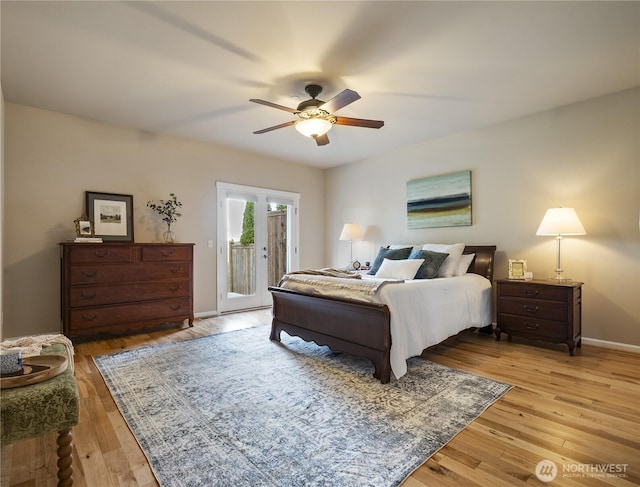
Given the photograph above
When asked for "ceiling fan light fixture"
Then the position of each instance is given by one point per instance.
(313, 127)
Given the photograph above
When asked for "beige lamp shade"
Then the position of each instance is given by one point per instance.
(351, 231)
(560, 221)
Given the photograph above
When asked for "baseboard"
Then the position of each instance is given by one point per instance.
(625, 347)
(206, 314)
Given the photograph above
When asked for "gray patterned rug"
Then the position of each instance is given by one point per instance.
(236, 409)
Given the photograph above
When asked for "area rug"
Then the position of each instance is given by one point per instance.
(236, 409)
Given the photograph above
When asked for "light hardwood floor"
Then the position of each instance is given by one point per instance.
(580, 412)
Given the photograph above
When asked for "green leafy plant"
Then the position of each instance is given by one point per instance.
(248, 234)
(167, 209)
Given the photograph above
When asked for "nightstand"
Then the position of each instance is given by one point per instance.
(549, 311)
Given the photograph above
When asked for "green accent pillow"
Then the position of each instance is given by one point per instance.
(391, 254)
(432, 262)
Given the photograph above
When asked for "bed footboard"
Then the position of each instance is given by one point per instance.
(359, 329)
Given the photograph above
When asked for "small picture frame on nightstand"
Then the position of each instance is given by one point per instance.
(517, 268)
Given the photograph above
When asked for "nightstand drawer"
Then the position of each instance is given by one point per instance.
(539, 309)
(533, 291)
(533, 328)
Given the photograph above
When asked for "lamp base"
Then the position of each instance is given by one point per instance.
(560, 280)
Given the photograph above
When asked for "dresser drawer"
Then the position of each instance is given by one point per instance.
(533, 291)
(165, 309)
(82, 296)
(116, 274)
(100, 254)
(554, 331)
(166, 253)
(544, 310)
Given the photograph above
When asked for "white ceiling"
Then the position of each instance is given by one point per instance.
(427, 69)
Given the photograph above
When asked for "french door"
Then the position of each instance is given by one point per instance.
(257, 243)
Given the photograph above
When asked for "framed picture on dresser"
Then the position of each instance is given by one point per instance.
(112, 215)
(517, 268)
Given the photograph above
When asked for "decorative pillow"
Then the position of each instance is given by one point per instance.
(400, 246)
(399, 269)
(450, 265)
(432, 262)
(463, 266)
(391, 254)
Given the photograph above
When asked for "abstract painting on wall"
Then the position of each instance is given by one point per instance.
(439, 201)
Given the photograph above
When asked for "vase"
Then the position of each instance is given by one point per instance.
(169, 236)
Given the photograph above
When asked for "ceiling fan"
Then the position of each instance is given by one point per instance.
(315, 117)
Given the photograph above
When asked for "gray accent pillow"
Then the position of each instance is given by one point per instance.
(432, 262)
(391, 254)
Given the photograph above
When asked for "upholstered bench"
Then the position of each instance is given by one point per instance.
(45, 407)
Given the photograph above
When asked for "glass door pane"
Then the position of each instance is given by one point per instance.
(241, 264)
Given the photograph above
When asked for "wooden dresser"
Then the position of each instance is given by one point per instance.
(540, 310)
(113, 289)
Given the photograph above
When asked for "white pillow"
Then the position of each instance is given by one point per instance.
(399, 269)
(450, 264)
(463, 266)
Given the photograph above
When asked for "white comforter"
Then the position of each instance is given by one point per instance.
(424, 312)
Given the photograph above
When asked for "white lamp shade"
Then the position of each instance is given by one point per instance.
(351, 231)
(313, 127)
(561, 221)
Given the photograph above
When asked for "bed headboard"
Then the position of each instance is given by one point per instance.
(483, 262)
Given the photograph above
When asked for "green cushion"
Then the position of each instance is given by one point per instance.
(432, 262)
(391, 254)
(38, 409)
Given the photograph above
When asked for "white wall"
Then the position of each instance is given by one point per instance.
(52, 159)
(1, 206)
(585, 156)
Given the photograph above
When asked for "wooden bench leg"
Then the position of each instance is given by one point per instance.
(65, 458)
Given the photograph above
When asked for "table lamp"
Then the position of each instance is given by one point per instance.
(558, 222)
(351, 232)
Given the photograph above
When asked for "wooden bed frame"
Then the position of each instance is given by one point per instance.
(357, 328)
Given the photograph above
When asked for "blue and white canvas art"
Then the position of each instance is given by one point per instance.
(439, 201)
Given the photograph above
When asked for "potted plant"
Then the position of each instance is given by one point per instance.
(168, 210)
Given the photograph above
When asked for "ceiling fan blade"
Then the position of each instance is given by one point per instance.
(322, 139)
(341, 100)
(274, 105)
(275, 127)
(359, 122)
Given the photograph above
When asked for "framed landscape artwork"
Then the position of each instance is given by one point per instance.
(439, 201)
(112, 215)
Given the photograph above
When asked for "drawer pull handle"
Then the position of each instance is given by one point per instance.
(89, 296)
(176, 288)
(175, 308)
(175, 271)
(531, 309)
(531, 294)
(167, 254)
(89, 274)
(101, 255)
(89, 318)
(533, 326)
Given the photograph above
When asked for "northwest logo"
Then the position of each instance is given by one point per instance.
(546, 471)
